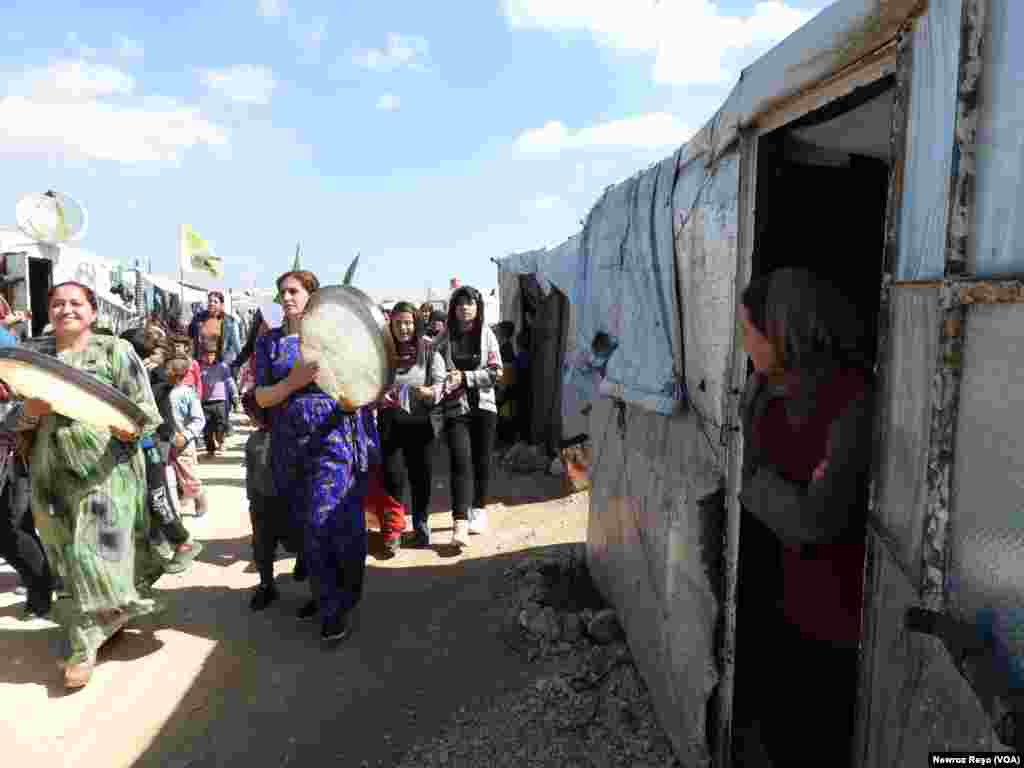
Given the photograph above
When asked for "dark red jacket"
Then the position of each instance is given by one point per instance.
(819, 521)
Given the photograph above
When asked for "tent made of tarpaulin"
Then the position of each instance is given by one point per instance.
(540, 284)
(664, 479)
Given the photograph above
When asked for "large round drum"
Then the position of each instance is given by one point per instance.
(72, 393)
(346, 333)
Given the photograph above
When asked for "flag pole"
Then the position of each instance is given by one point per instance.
(181, 266)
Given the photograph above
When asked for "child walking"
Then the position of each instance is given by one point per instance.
(219, 394)
(181, 346)
(187, 422)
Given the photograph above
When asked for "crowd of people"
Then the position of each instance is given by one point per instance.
(97, 515)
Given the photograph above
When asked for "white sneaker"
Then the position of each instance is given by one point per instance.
(460, 536)
(478, 521)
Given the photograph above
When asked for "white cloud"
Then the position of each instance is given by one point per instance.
(244, 82)
(103, 131)
(691, 41)
(651, 131)
(71, 81)
(272, 9)
(79, 110)
(400, 51)
(130, 49)
(389, 103)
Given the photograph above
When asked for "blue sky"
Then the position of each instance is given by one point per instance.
(430, 137)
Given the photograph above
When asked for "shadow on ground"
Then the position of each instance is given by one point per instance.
(427, 642)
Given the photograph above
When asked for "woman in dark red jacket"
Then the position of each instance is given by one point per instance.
(807, 419)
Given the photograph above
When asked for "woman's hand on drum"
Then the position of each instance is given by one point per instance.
(426, 394)
(302, 374)
(179, 441)
(36, 408)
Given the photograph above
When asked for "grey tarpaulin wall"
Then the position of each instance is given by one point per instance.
(655, 531)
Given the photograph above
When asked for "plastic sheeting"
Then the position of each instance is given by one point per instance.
(840, 34)
(707, 218)
(552, 267)
(654, 547)
(626, 288)
(928, 165)
(987, 582)
(997, 242)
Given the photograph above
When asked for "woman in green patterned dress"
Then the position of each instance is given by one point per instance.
(88, 489)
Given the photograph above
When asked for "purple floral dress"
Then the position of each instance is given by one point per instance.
(320, 458)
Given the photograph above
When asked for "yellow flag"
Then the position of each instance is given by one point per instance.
(196, 254)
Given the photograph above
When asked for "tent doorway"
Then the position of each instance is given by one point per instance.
(40, 280)
(821, 195)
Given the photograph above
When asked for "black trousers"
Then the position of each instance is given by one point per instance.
(166, 520)
(19, 543)
(407, 452)
(471, 451)
(216, 413)
(773, 657)
(270, 526)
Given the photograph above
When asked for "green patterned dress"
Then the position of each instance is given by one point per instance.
(88, 502)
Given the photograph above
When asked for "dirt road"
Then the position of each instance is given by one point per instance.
(213, 684)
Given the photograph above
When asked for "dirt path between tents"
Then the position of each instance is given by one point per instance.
(215, 685)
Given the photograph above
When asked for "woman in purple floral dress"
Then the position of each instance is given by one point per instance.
(320, 458)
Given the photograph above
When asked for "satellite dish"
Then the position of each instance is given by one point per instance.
(51, 217)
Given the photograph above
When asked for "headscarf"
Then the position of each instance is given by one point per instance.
(815, 330)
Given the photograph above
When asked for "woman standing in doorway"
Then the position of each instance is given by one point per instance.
(473, 361)
(807, 420)
(320, 458)
(88, 487)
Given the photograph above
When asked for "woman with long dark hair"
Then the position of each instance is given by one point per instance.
(473, 360)
(408, 428)
(807, 421)
(320, 458)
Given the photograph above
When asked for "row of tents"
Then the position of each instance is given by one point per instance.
(880, 146)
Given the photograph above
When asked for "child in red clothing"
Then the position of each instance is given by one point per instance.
(182, 347)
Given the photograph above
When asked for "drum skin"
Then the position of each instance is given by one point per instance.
(346, 333)
(71, 392)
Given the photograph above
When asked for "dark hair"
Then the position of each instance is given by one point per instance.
(454, 326)
(417, 321)
(305, 278)
(178, 365)
(90, 294)
(755, 299)
(218, 294)
(438, 315)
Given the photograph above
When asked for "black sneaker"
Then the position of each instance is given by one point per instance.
(392, 547)
(334, 630)
(308, 610)
(421, 535)
(263, 596)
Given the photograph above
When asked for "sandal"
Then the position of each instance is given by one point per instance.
(78, 675)
(183, 558)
